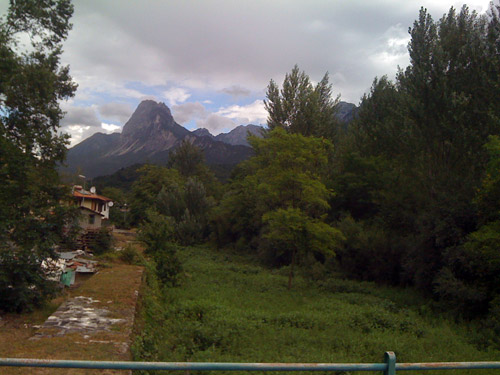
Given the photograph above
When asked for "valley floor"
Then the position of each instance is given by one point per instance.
(229, 309)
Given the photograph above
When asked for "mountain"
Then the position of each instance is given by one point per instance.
(202, 132)
(238, 136)
(148, 136)
(346, 112)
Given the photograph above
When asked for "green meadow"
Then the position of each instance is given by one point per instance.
(230, 309)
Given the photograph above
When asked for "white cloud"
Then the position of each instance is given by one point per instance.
(86, 116)
(78, 133)
(110, 128)
(316, 26)
(251, 113)
(176, 95)
(392, 48)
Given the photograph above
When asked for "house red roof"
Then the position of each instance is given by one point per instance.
(79, 194)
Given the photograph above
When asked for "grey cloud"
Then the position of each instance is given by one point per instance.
(216, 124)
(86, 116)
(186, 112)
(120, 112)
(236, 91)
(222, 43)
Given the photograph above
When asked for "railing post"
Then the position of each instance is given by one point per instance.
(390, 359)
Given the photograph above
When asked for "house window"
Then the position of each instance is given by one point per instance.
(91, 219)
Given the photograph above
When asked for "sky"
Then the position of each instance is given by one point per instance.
(210, 61)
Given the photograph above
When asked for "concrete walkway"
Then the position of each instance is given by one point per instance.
(78, 314)
(95, 323)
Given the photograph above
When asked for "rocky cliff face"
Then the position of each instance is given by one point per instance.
(148, 136)
(151, 129)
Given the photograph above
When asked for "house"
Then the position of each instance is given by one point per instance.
(94, 207)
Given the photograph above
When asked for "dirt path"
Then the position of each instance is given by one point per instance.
(94, 323)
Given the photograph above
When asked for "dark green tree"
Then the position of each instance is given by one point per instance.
(425, 133)
(301, 107)
(277, 206)
(189, 207)
(145, 190)
(33, 219)
(189, 160)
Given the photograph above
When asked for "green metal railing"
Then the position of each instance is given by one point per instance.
(389, 367)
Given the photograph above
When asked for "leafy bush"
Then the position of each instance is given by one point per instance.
(130, 255)
(101, 242)
(23, 282)
(168, 266)
(156, 231)
(368, 253)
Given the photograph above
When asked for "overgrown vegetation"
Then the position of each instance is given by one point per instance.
(229, 308)
(101, 242)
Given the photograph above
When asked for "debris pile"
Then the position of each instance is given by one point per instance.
(68, 267)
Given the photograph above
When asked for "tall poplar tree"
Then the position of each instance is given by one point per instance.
(301, 107)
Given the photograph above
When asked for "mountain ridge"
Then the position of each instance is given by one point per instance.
(151, 133)
(147, 137)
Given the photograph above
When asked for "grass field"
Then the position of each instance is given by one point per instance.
(229, 309)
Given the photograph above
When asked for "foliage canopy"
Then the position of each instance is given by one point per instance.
(32, 83)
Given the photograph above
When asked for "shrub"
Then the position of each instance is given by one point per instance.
(101, 242)
(156, 231)
(23, 282)
(168, 266)
(130, 255)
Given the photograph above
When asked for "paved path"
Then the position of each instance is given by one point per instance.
(78, 314)
(94, 324)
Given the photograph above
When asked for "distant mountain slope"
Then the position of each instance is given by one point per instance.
(238, 136)
(202, 132)
(151, 133)
(148, 136)
(346, 112)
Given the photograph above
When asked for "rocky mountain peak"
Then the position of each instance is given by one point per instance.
(147, 115)
(202, 132)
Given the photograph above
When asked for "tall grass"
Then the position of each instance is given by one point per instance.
(229, 309)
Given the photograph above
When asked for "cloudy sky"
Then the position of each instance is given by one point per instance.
(210, 61)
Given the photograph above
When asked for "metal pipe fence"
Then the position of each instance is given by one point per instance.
(388, 367)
